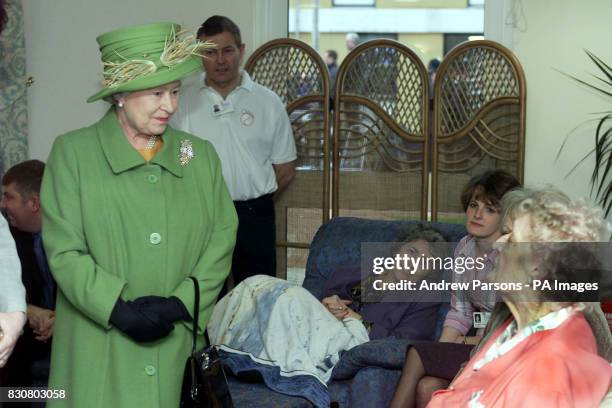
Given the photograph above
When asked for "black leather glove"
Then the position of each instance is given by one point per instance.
(168, 309)
(140, 325)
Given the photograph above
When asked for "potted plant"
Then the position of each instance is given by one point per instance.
(601, 179)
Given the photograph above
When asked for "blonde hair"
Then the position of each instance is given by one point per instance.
(554, 216)
(558, 237)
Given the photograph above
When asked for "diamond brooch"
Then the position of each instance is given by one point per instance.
(186, 152)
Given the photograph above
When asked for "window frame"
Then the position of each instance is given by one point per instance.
(356, 3)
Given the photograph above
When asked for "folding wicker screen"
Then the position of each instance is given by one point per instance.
(299, 76)
(479, 121)
(380, 133)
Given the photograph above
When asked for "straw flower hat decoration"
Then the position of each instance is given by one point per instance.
(147, 56)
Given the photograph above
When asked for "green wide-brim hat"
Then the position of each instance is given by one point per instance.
(146, 56)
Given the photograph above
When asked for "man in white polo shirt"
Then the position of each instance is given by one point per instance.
(249, 127)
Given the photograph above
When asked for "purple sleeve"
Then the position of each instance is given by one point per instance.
(342, 281)
(415, 321)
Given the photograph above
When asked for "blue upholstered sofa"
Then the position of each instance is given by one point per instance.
(366, 375)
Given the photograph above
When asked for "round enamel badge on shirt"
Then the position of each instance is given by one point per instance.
(247, 118)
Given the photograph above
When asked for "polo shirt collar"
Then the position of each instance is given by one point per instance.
(246, 83)
(122, 156)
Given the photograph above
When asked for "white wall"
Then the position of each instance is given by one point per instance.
(63, 57)
(551, 36)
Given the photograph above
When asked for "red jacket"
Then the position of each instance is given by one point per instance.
(551, 368)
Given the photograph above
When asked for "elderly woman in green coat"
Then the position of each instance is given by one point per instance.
(131, 209)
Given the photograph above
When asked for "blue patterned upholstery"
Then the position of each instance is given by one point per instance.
(366, 375)
(257, 395)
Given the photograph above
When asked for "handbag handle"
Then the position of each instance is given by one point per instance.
(196, 315)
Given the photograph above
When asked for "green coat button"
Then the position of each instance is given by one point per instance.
(155, 238)
(150, 370)
(152, 178)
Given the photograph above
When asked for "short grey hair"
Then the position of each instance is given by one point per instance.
(114, 98)
(354, 37)
(509, 202)
(425, 232)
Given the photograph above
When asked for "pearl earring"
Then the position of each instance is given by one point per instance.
(120, 104)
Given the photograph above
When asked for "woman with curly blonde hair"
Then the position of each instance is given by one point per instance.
(546, 354)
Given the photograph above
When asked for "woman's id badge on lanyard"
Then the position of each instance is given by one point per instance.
(481, 319)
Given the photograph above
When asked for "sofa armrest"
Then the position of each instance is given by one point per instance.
(387, 353)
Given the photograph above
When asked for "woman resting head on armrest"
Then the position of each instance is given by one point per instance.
(274, 320)
(400, 315)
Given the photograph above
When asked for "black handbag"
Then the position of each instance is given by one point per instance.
(204, 381)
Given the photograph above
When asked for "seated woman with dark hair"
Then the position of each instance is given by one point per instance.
(431, 365)
(275, 321)
(546, 354)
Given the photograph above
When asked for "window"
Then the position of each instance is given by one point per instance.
(354, 2)
(327, 25)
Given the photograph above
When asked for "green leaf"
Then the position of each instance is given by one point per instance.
(601, 178)
(605, 68)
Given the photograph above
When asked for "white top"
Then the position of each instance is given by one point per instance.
(12, 292)
(250, 130)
